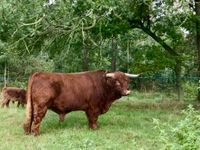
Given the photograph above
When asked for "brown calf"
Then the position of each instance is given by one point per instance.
(13, 94)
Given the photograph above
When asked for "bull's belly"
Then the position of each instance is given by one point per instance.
(65, 106)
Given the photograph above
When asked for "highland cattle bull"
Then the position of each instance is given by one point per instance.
(92, 92)
(13, 94)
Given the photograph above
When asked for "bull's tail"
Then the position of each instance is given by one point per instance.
(29, 107)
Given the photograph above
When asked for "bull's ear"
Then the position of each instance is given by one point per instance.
(110, 75)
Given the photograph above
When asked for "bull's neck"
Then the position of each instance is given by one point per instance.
(112, 94)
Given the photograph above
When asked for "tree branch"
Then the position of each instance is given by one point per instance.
(140, 25)
(92, 26)
(160, 41)
(32, 23)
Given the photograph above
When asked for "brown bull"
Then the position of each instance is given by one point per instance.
(92, 92)
(13, 94)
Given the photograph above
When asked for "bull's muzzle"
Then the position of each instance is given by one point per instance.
(126, 92)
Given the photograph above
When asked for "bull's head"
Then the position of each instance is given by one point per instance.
(120, 81)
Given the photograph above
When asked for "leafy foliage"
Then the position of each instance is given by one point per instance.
(186, 133)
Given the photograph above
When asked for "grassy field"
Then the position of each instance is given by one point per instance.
(127, 125)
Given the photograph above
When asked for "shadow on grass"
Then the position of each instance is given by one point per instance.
(77, 121)
(73, 120)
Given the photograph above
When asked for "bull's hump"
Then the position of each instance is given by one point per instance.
(87, 72)
(75, 73)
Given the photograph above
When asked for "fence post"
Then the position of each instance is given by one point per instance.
(5, 75)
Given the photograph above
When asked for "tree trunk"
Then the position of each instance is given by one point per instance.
(178, 79)
(197, 10)
(85, 58)
(128, 55)
(5, 76)
(114, 54)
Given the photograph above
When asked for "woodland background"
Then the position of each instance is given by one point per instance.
(159, 38)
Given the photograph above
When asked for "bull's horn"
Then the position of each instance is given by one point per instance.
(132, 75)
(111, 75)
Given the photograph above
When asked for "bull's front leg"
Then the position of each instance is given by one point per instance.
(92, 116)
(62, 117)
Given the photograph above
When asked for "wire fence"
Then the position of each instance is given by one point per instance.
(141, 79)
(166, 85)
(157, 78)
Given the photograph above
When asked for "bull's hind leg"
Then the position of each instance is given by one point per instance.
(39, 113)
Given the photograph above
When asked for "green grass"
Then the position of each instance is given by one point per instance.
(125, 126)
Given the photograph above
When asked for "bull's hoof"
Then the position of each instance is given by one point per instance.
(27, 130)
(27, 133)
(61, 120)
(93, 126)
(36, 133)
